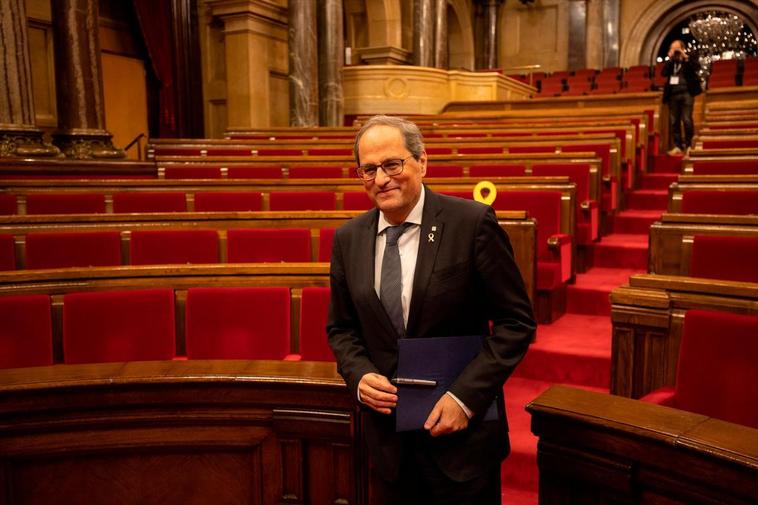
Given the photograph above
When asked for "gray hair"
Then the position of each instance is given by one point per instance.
(414, 141)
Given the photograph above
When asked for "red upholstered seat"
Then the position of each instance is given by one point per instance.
(238, 323)
(314, 309)
(497, 170)
(105, 326)
(228, 201)
(713, 167)
(330, 151)
(439, 150)
(587, 211)
(65, 203)
(73, 249)
(138, 201)
(720, 202)
(325, 240)
(480, 150)
(254, 172)
(356, 200)
(603, 151)
(268, 245)
(314, 172)
(531, 149)
(716, 373)
(280, 152)
(7, 252)
(192, 172)
(444, 171)
(178, 151)
(302, 200)
(165, 247)
(728, 258)
(731, 144)
(7, 204)
(26, 335)
(230, 151)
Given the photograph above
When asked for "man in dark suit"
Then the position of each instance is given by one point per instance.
(682, 86)
(425, 265)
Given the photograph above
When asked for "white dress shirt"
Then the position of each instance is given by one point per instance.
(408, 248)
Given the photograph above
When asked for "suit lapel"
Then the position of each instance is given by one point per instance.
(366, 260)
(429, 242)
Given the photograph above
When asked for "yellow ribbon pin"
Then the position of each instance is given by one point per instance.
(479, 192)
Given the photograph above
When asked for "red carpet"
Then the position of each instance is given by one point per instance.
(576, 348)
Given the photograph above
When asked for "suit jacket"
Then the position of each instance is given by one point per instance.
(689, 70)
(465, 278)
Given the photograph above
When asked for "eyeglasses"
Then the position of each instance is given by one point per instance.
(390, 167)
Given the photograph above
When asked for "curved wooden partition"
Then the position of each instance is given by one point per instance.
(603, 449)
(189, 432)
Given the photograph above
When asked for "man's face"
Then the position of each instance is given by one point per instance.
(396, 195)
(676, 46)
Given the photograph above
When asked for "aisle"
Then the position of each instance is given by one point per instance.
(576, 349)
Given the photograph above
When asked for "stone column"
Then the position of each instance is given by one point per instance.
(303, 63)
(79, 82)
(440, 34)
(577, 34)
(331, 58)
(594, 35)
(19, 135)
(423, 33)
(490, 37)
(610, 29)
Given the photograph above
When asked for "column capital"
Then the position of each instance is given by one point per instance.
(262, 9)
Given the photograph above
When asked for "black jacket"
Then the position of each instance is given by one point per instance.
(465, 278)
(689, 70)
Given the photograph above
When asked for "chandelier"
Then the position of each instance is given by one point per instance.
(719, 36)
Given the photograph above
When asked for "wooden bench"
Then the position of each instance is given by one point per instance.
(598, 448)
(671, 238)
(200, 431)
(647, 316)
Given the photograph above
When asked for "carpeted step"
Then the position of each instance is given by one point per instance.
(657, 180)
(666, 163)
(590, 294)
(633, 221)
(621, 251)
(575, 349)
(519, 497)
(647, 199)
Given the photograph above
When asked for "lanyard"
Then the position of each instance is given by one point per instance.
(677, 66)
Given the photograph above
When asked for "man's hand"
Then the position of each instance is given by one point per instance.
(377, 392)
(446, 417)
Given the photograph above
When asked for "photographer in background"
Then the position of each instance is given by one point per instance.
(682, 86)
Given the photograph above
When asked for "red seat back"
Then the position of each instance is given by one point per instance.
(727, 258)
(192, 172)
(716, 373)
(720, 202)
(105, 326)
(544, 206)
(309, 172)
(731, 144)
(26, 335)
(73, 249)
(497, 170)
(165, 247)
(254, 172)
(228, 201)
(65, 203)
(238, 323)
(302, 200)
(356, 200)
(444, 171)
(268, 245)
(7, 204)
(708, 167)
(531, 149)
(7, 252)
(314, 309)
(578, 173)
(325, 240)
(138, 201)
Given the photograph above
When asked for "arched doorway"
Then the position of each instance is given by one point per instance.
(460, 36)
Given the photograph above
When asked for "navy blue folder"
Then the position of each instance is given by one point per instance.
(426, 369)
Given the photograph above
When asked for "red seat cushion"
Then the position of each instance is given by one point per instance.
(7, 204)
(302, 200)
(26, 334)
(192, 172)
(548, 275)
(254, 172)
(138, 201)
(73, 249)
(105, 326)
(65, 203)
(720, 202)
(497, 170)
(228, 201)
(238, 323)
(356, 200)
(314, 309)
(308, 172)
(728, 258)
(268, 245)
(7, 252)
(325, 240)
(164, 247)
(716, 373)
